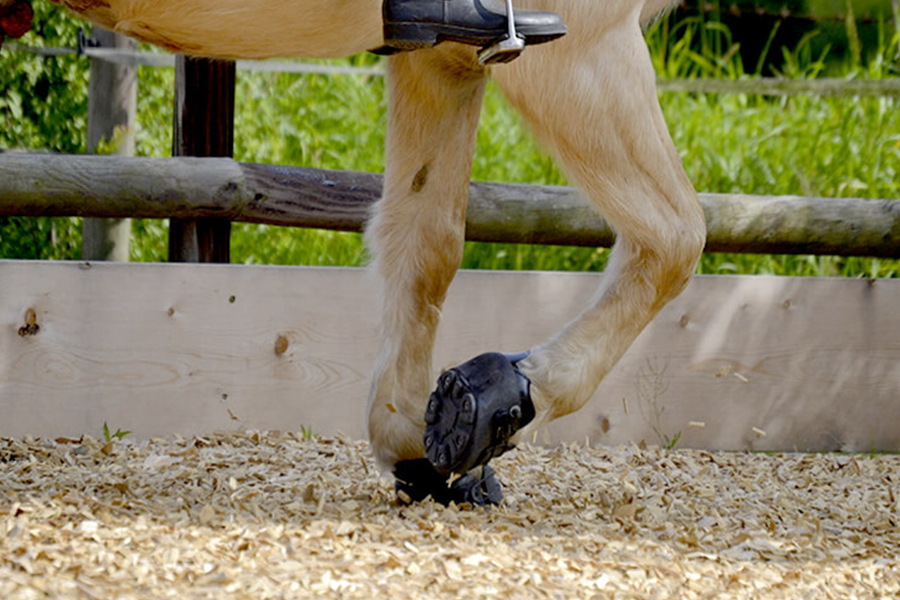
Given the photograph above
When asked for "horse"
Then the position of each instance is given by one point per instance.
(590, 99)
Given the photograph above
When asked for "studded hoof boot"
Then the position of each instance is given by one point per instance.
(475, 410)
(416, 480)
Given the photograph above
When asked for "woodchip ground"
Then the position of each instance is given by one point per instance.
(276, 515)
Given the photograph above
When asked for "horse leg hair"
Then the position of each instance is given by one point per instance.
(591, 98)
(417, 232)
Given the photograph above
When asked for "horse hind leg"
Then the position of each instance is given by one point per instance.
(417, 232)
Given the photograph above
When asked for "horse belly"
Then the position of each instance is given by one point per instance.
(243, 29)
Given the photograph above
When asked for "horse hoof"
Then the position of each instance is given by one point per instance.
(475, 410)
(416, 480)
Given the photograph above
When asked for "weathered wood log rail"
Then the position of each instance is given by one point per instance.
(192, 188)
(756, 86)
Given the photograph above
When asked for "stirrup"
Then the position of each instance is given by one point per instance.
(505, 49)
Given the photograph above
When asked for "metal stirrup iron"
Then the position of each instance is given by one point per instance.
(505, 49)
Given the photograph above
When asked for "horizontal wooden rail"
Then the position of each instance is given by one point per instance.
(158, 59)
(191, 188)
(759, 86)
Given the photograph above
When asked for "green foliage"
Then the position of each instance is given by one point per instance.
(867, 8)
(669, 443)
(806, 145)
(821, 8)
(43, 101)
(324, 121)
(40, 239)
(118, 435)
(43, 105)
(793, 6)
(729, 143)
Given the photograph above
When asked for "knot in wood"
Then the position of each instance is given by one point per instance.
(31, 326)
(281, 345)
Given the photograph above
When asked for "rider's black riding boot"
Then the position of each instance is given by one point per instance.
(412, 24)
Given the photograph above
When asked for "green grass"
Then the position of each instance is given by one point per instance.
(729, 143)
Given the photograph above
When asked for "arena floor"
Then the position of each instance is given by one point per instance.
(278, 515)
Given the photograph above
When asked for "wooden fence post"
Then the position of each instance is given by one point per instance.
(112, 108)
(204, 126)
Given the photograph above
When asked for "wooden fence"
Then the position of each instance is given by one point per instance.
(759, 363)
(224, 190)
(763, 363)
(760, 86)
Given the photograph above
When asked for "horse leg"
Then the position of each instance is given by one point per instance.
(591, 98)
(617, 147)
(602, 118)
(417, 232)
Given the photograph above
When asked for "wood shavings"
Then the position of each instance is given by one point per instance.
(275, 515)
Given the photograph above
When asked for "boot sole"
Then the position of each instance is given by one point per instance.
(474, 412)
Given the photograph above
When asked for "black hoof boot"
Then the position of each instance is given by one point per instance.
(417, 480)
(475, 410)
(413, 24)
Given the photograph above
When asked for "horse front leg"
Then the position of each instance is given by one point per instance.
(591, 98)
(607, 128)
(416, 238)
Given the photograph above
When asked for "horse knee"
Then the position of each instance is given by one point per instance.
(688, 241)
(683, 255)
(670, 251)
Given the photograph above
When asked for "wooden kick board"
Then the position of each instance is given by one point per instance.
(762, 363)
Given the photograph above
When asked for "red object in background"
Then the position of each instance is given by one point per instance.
(15, 19)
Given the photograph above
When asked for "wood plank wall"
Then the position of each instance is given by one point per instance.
(761, 363)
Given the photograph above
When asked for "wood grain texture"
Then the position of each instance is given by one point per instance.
(190, 188)
(163, 349)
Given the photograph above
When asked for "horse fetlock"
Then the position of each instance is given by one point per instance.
(393, 435)
(564, 375)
